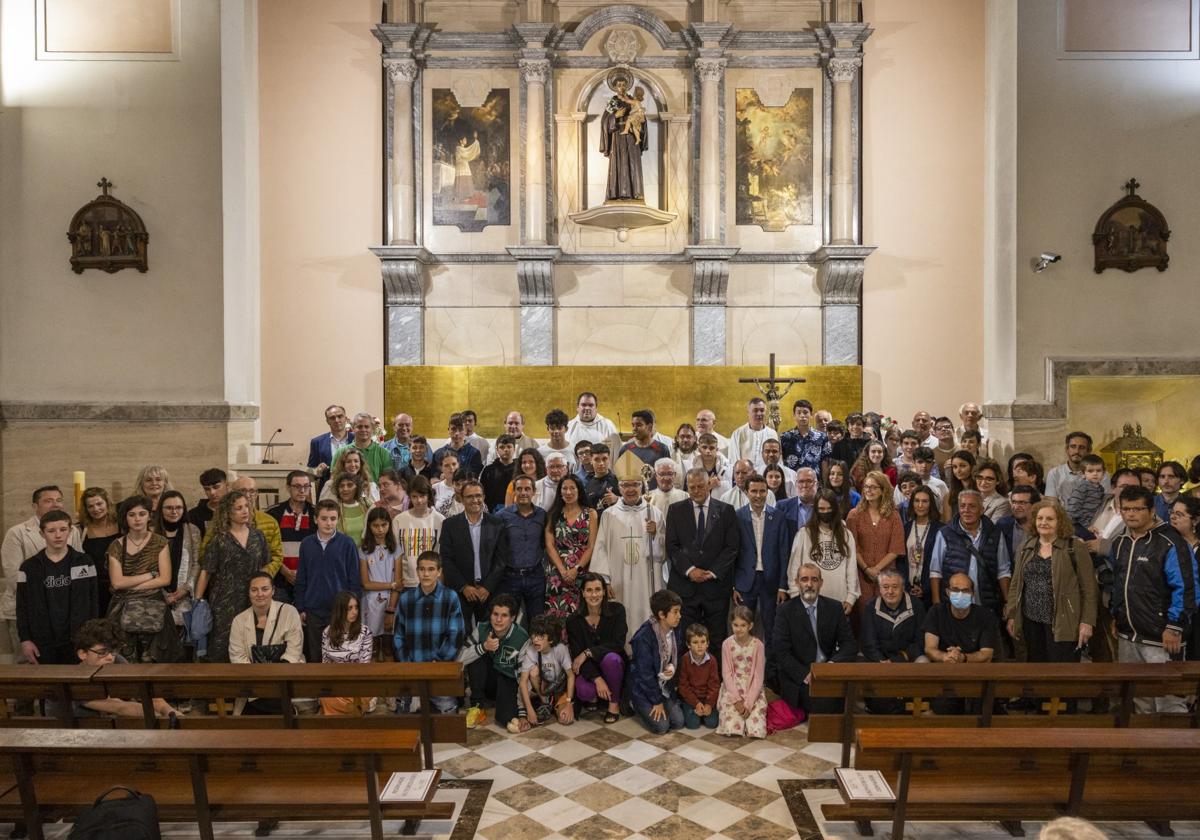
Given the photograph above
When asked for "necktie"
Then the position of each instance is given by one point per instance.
(812, 617)
(700, 526)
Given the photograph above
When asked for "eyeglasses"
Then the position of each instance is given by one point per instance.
(961, 591)
(300, 486)
(100, 651)
(991, 479)
(1133, 509)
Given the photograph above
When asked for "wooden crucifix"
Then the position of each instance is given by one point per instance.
(769, 388)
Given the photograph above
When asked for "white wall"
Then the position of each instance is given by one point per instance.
(1085, 127)
(152, 128)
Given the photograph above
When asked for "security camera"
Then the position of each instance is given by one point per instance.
(1044, 259)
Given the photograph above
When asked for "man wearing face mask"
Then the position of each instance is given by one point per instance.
(961, 631)
(809, 629)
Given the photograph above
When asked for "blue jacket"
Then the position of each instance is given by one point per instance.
(1154, 586)
(324, 572)
(320, 450)
(646, 664)
(960, 549)
(776, 549)
(795, 516)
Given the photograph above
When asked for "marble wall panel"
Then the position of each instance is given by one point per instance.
(623, 336)
(622, 284)
(472, 336)
(773, 284)
(792, 333)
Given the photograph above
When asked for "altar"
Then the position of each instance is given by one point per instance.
(666, 185)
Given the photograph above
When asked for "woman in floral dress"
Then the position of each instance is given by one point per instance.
(570, 535)
(236, 551)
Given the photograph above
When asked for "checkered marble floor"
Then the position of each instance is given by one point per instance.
(591, 781)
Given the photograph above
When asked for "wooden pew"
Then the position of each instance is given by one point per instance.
(285, 682)
(1120, 683)
(61, 685)
(229, 682)
(1031, 773)
(207, 776)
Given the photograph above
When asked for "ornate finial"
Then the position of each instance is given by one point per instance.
(1131, 186)
(1127, 430)
(105, 185)
(1139, 429)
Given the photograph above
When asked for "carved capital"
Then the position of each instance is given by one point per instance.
(710, 273)
(710, 69)
(534, 70)
(403, 270)
(401, 70)
(843, 69)
(840, 273)
(535, 273)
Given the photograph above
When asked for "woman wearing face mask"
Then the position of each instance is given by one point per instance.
(920, 534)
(826, 541)
(183, 541)
(1052, 597)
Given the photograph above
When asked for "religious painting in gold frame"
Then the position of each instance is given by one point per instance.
(774, 163)
(674, 392)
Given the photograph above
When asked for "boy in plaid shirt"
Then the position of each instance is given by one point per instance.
(429, 622)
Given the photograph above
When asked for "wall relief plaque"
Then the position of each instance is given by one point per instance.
(1131, 234)
(107, 234)
(774, 166)
(472, 172)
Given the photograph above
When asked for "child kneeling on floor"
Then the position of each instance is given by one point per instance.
(547, 684)
(699, 680)
(492, 656)
(742, 704)
(652, 668)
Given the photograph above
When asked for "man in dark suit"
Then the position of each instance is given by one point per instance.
(702, 546)
(760, 578)
(474, 547)
(322, 447)
(809, 629)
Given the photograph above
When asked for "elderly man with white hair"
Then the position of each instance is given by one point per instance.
(970, 414)
(546, 488)
(665, 494)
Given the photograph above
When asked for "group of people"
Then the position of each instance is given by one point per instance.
(674, 578)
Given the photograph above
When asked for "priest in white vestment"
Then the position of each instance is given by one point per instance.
(590, 425)
(631, 544)
(665, 493)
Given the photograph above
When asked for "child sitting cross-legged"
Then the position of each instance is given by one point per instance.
(547, 686)
(699, 680)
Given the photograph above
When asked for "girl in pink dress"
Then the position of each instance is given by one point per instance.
(742, 705)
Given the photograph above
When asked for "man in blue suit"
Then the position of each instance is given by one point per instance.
(760, 576)
(323, 447)
(796, 510)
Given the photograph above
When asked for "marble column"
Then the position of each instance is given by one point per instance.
(842, 72)
(710, 281)
(840, 270)
(710, 71)
(534, 72)
(535, 284)
(402, 72)
(403, 268)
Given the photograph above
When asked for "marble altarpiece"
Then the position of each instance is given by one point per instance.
(748, 241)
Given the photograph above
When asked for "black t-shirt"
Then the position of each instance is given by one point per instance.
(970, 635)
(57, 584)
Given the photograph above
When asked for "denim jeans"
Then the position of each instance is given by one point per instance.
(530, 592)
(673, 720)
(692, 720)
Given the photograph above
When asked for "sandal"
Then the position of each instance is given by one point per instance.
(518, 725)
(611, 717)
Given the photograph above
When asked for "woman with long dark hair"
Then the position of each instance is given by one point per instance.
(826, 541)
(837, 480)
(570, 538)
(960, 476)
(139, 567)
(346, 639)
(920, 533)
(596, 636)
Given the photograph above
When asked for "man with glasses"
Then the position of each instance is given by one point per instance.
(1015, 526)
(399, 444)
(262, 521)
(297, 519)
(796, 509)
(944, 445)
(475, 554)
(323, 448)
(96, 644)
(1150, 572)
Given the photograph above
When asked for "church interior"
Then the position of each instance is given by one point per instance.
(219, 217)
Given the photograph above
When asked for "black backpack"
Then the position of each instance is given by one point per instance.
(133, 817)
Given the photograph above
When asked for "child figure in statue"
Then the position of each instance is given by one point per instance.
(635, 120)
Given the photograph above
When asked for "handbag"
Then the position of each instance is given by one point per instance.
(132, 817)
(268, 654)
(143, 615)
